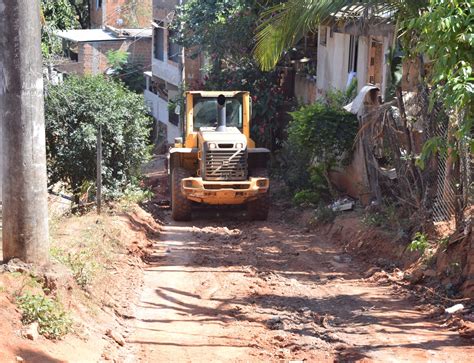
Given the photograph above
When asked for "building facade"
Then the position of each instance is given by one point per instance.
(344, 55)
(86, 50)
(169, 69)
(120, 13)
(341, 51)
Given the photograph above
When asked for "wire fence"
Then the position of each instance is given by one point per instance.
(442, 188)
(445, 200)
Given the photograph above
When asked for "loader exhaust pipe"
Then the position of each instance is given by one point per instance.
(221, 114)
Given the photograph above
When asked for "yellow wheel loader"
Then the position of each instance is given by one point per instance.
(216, 162)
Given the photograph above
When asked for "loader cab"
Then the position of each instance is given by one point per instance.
(201, 114)
(206, 117)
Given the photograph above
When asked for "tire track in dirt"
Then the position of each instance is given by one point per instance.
(223, 289)
(229, 290)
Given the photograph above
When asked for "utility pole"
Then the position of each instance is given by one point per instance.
(25, 208)
(99, 170)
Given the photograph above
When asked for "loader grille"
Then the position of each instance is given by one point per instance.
(225, 164)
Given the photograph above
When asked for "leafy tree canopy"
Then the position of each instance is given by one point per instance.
(61, 15)
(121, 69)
(74, 110)
(446, 37)
(222, 28)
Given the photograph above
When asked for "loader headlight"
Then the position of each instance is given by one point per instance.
(261, 183)
(239, 145)
(211, 145)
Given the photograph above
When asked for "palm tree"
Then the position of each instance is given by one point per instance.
(284, 24)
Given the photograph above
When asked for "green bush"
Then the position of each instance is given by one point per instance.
(81, 263)
(324, 130)
(325, 214)
(305, 197)
(419, 243)
(53, 321)
(74, 111)
(374, 219)
(320, 137)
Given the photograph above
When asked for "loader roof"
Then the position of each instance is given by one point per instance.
(216, 93)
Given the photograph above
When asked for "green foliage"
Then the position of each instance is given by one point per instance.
(221, 28)
(389, 216)
(74, 110)
(374, 219)
(52, 320)
(419, 243)
(320, 137)
(117, 58)
(121, 69)
(324, 214)
(325, 130)
(57, 15)
(135, 195)
(306, 197)
(81, 263)
(445, 35)
(224, 30)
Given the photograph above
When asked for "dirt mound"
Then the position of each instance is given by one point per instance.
(97, 280)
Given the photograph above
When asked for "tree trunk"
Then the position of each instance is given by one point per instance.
(25, 209)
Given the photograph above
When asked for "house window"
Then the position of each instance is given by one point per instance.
(159, 43)
(98, 4)
(353, 53)
(174, 50)
(323, 35)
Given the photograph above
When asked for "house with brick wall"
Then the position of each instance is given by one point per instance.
(170, 67)
(85, 50)
(120, 13)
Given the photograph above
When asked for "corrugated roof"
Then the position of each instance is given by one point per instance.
(101, 35)
(136, 33)
(216, 93)
(88, 35)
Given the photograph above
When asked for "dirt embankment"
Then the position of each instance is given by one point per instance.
(447, 264)
(96, 281)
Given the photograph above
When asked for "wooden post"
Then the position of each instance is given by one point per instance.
(25, 198)
(99, 170)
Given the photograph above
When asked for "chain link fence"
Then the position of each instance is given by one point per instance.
(442, 186)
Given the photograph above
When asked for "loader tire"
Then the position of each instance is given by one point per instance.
(180, 205)
(257, 210)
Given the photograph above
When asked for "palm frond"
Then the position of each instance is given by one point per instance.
(283, 25)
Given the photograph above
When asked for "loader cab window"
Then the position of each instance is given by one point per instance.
(205, 112)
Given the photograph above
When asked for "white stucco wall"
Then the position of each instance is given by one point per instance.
(167, 72)
(159, 110)
(362, 62)
(386, 45)
(333, 61)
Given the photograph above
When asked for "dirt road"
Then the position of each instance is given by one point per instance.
(222, 289)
